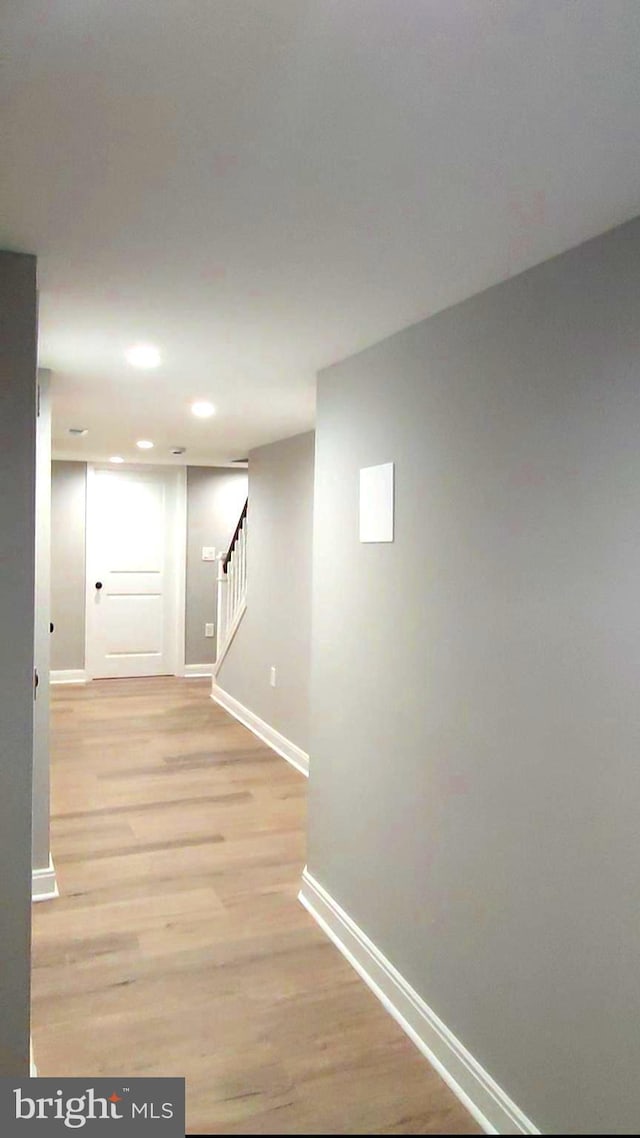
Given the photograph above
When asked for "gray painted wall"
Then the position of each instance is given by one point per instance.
(42, 647)
(17, 561)
(276, 627)
(68, 526)
(475, 773)
(215, 498)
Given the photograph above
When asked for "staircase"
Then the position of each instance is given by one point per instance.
(232, 588)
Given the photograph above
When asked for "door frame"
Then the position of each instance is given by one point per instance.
(176, 595)
(44, 885)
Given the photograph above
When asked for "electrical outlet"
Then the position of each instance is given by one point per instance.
(272, 677)
(208, 630)
(208, 553)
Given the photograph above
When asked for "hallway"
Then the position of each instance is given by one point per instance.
(178, 946)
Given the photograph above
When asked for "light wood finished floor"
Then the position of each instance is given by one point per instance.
(178, 946)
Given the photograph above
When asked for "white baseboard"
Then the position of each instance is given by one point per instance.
(477, 1091)
(289, 751)
(44, 884)
(68, 676)
(191, 671)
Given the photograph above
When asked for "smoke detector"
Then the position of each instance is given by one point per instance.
(78, 431)
(178, 450)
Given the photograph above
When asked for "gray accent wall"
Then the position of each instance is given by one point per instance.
(215, 497)
(17, 573)
(68, 530)
(475, 739)
(276, 628)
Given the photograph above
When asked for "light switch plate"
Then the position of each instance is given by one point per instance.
(208, 630)
(208, 553)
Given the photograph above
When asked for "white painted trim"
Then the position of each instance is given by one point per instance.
(33, 1070)
(68, 676)
(88, 560)
(478, 1092)
(237, 620)
(284, 747)
(191, 671)
(44, 884)
(180, 568)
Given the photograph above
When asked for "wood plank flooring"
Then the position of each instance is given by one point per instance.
(178, 946)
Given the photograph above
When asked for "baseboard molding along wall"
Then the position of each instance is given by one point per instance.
(193, 671)
(79, 676)
(284, 747)
(484, 1099)
(44, 883)
(68, 676)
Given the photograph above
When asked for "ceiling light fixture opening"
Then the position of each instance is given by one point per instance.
(202, 410)
(144, 444)
(116, 458)
(144, 356)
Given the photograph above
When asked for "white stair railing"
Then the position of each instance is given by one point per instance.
(232, 587)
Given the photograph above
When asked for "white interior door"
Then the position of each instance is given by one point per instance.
(133, 556)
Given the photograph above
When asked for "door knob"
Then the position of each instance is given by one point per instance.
(98, 584)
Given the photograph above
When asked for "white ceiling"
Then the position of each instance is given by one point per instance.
(262, 187)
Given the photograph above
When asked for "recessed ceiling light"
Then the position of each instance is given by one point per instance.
(143, 356)
(202, 409)
(144, 444)
(116, 458)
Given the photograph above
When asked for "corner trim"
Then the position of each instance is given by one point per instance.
(284, 747)
(33, 1070)
(473, 1086)
(44, 883)
(193, 670)
(179, 540)
(68, 676)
